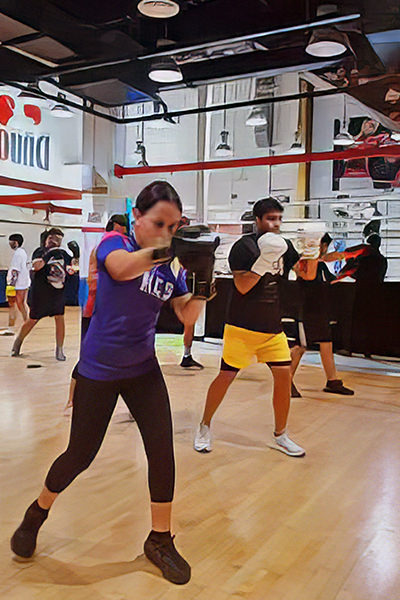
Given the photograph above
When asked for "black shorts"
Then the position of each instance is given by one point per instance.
(51, 306)
(307, 332)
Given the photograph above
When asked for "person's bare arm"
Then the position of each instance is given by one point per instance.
(245, 280)
(123, 265)
(331, 256)
(187, 308)
(14, 277)
(37, 264)
(306, 268)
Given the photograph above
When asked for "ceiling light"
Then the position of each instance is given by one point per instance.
(158, 9)
(141, 149)
(165, 71)
(61, 112)
(327, 42)
(343, 138)
(224, 149)
(296, 148)
(256, 117)
(32, 94)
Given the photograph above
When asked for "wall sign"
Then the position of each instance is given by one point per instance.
(23, 147)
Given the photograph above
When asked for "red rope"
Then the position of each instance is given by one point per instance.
(391, 151)
(58, 193)
(40, 205)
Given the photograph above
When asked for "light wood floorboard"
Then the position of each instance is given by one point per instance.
(254, 523)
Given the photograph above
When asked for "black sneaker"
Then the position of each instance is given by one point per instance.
(294, 392)
(23, 542)
(189, 363)
(160, 549)
(335, 386)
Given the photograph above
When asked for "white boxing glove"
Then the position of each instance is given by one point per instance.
(272, 247)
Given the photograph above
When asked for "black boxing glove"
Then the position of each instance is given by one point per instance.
(195, 246)
(161, 255)
(74, 247)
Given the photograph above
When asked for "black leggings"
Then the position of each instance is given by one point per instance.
(146, 396)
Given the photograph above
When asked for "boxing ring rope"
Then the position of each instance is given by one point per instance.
(41, 196)
(280, 159)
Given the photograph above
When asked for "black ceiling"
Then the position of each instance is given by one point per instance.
(111, 38)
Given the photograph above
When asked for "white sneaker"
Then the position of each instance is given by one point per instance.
(283, 443)
(202, 440)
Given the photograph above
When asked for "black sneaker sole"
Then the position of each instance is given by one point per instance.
(166, 573)
(350, 393)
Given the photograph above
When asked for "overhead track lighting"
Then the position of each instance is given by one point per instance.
(158, 9)
(165, 70)
(253, 36)
(327, 42)
(256, 117)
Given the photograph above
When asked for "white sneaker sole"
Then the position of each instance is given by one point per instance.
(202, 449)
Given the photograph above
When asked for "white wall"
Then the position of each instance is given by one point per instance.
(65, 145)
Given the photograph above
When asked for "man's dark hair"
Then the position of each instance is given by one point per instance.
(266, 205)
(374, 240)
(16, 237)
(55, 231)
(119, 219)
(157, 191)
(326, 239)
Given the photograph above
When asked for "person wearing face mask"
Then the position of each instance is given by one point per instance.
(50, 265)
(135, 277)
(253, 327)
(18, 282)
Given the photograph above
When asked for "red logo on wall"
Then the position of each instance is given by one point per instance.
(7, 106)
(22, 147)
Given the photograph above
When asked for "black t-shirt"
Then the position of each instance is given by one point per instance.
(51, 278)
(367, 264)
(290, 258)
(258, 310)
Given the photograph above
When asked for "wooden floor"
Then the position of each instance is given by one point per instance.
(254, 523)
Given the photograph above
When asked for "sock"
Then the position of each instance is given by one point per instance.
(34, 516)
(60, 353)
(16, 347)
(160, 536)
(187, 351)
(279, 434)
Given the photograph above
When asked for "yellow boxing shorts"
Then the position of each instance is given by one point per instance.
(241, 345)
(10, 291)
